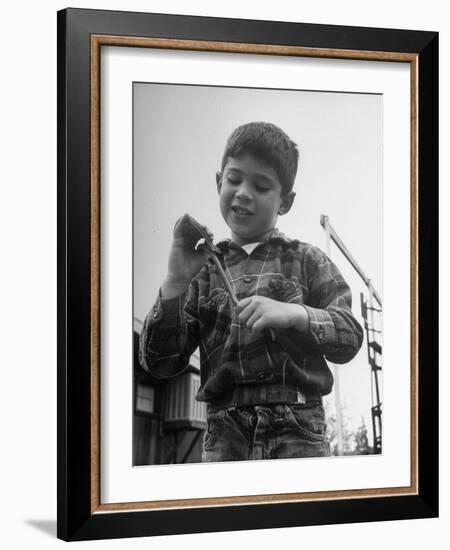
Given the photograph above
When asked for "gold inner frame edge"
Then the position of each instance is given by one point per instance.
(263, 49)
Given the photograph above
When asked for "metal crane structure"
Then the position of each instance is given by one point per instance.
(371, 309)
(374, 353)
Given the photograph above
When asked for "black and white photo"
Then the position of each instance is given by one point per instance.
(179, 137)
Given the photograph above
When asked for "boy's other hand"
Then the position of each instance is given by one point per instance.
(184, 260)
(258, 313)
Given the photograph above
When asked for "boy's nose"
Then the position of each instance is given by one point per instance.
(243, 192)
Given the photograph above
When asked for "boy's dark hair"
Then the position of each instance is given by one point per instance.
(267, 143)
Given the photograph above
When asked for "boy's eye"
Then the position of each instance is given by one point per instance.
(233, 179)
(262, 188)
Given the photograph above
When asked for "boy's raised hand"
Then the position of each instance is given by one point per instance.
(258, 313)
(184, 260)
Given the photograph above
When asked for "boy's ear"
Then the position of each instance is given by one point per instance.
(219, 181)
(286, 203)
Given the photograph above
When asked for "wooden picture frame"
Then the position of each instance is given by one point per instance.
(81, 35)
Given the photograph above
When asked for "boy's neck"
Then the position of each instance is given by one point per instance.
(257, 239)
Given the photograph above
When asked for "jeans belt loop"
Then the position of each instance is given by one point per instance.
(236, 396)
(301, 397)
(263, 393)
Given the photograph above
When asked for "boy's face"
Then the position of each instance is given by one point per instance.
(250, 198)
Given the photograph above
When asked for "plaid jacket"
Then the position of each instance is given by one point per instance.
(282, 269)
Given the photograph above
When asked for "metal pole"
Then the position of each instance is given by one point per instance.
(324, 222)
(337, 382)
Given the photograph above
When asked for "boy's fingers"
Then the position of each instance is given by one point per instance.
(245, 313)
(245, 308)
(252, 320)
(259, 325)
(244, 303)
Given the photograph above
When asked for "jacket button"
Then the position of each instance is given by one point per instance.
(247, 279)
(260, 375)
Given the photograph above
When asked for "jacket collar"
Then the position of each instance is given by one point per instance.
(275, 236)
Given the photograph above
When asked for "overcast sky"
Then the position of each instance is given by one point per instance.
(179, 137)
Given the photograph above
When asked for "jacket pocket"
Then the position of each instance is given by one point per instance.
(309, 420)
(214, 428)
(286, 290)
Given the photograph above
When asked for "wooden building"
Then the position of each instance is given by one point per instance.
(168, 423)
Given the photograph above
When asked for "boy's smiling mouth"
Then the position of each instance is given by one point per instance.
(241, 211)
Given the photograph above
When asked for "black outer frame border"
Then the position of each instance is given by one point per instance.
(75, 521)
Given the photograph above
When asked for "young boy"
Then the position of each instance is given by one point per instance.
(263, 362)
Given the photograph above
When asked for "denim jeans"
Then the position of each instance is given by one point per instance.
(262, 432)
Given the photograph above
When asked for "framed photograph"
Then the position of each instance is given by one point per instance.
(247, 274)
